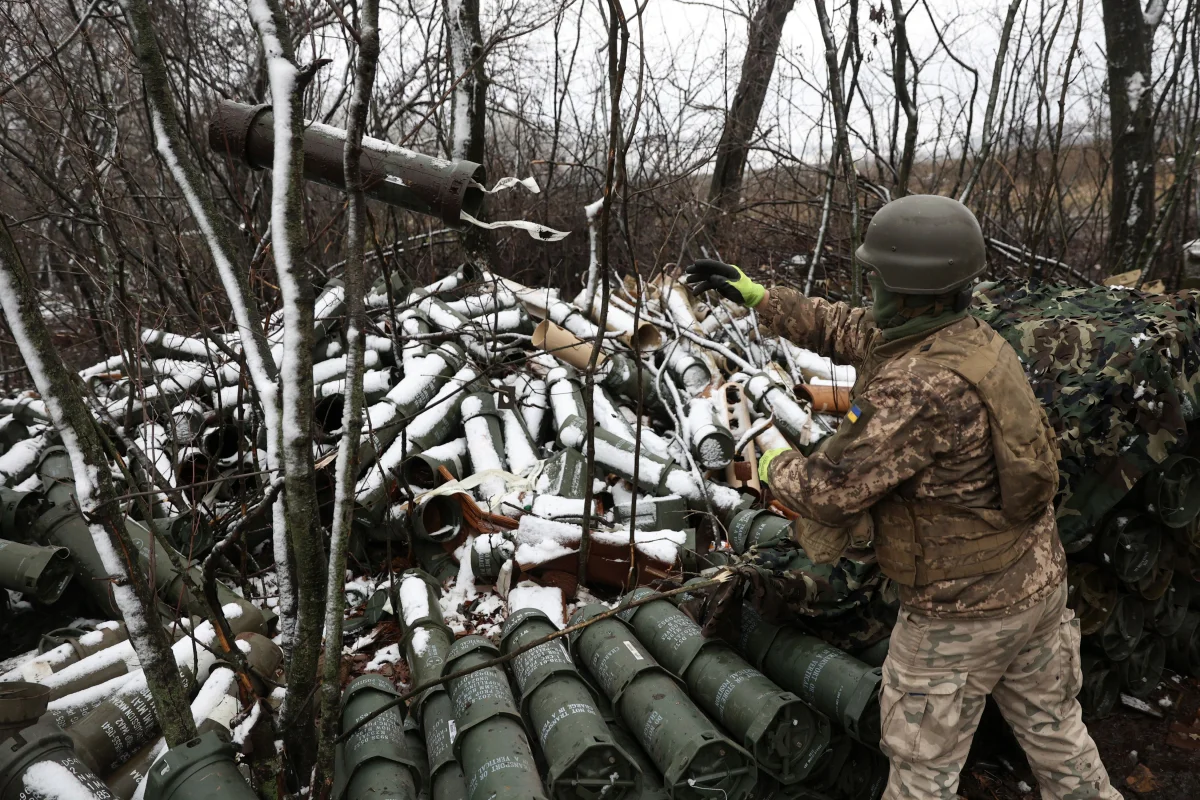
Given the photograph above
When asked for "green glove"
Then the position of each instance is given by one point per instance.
(764, 462)
(726, 279)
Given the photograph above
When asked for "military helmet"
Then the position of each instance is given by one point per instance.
(923, 244)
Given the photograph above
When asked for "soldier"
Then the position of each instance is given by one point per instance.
(947, 458)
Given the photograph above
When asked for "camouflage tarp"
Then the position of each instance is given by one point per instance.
(1118, 372)
(849, 604)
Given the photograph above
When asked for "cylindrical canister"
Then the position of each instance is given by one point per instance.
(124, 781)
(64, 647)
(21, 704)
(582, 757)
(785, 735)
(202, 767)
(44, 743)
(1123, 629)
(838, 685)
(427, 642)
(696, 760)
(116, 729)
(42, 572)
(374, 761)
(491, 744)
(489, 551)
(1142, 671)
(1129, 545)
(390, 174)
(446, 779)
(758, 528)
(1101, 685)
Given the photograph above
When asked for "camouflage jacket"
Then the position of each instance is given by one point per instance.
(920, 429)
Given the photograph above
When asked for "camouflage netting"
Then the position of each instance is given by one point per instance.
(1117, 371)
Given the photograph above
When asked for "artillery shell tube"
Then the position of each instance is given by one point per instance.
(390, 174)
(491, 744)
(565, 346)
(420, 755)
(696, 760)
(769, 398)
(201, 768)
(488, 554)
(21, 704)
(73, 648)
(115, 730)
(41, 572)
(375, 760)
(435, 517)
(838, 685)
(1142, 671)
(581, 755)
(124, 781)
(446, 780)
(39, 742)
(485, 441)
(1124, 627)
(427, 642)
(757, 528)
(785, 735)
(1101, 685)
(711, 442)
(648, 783)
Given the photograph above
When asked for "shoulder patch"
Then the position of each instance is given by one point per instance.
(853, 414)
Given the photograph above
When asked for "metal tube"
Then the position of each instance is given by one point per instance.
(695, 758)
(784, 734)
(197, 770)
(42, 572)
(427, 642)
(582, 757)
(42, 741)
(390, 174)
(374, 761)
(116, 729)
(757, 528)
(491, 744)
(839, 686)
(73, 648)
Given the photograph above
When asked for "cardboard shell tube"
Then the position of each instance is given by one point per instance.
(644, 337)
(564, 345)
(834, 399)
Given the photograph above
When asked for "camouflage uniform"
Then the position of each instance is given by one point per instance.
(926, 433)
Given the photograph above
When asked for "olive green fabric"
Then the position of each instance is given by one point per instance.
(902, 315)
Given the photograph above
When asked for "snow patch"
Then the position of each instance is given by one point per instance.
(547, 599)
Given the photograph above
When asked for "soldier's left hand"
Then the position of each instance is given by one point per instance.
(725, 279)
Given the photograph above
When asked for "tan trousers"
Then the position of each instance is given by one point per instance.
(939, 672)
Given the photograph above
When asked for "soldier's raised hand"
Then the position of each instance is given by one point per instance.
(725, 279)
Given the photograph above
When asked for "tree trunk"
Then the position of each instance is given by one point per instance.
(907, 102)
(1129, 39)
(352, 420)
(468, 104)
(304, 533)
(469, 99)
(766, 27)
(96, 494)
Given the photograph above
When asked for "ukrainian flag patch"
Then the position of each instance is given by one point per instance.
(854, 413)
